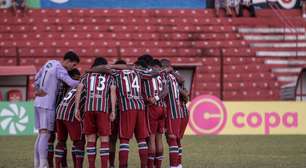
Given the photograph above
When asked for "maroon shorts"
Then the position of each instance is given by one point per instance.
(184, 123)
(133, 121)
(173, 127)
(74, 129)
(156, 119)
(97, 123)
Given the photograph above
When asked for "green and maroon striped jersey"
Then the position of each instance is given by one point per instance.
(173, 97)
(154, 87)
(66, 109)
(184, 109)
(62, 89)
(129, 89)
(97, 89)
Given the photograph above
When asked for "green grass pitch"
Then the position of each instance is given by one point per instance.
(286, 151)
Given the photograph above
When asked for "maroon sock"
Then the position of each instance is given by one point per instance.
(78, 147)
(59, 154)
(151, 158)
(180, 150)
(50, 154)
(112, 156)
(91, 154)
(51, 141)
(123, 153)
(64, 161)
(104, 154)
(159, 159)
(143, 152)
(173, 152)
(73, 154)
(112, 152)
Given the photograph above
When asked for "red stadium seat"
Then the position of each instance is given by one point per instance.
(14, 95)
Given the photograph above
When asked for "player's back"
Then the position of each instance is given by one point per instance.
(129, 82)
(48, 82)
(65, 110)
(97, 89)
(154, 87)
(129, 90)
(173, 98)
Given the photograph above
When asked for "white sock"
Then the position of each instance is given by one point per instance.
(43, 150)
(304, 15)
(36, 153)
(180, 166)
(43, 163)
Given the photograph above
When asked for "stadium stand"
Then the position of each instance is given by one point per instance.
(256, 56)
(299, 91)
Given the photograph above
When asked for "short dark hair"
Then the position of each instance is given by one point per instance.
(165, 62)
(120, 61)
(141, 63)
(72, 56)
(147, 57)
(99, 61)
(74, 72)
(156, 62)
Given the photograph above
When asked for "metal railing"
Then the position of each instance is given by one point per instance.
(288, 24)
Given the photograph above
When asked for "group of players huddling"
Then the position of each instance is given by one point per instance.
(147, 99)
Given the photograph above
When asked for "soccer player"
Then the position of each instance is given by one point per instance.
(46, 81)
(67, 124)
(115, 129)
(132, 115)
(184, 98)
(155, 91)
(173, 122)
(62, 89)
(100, 91)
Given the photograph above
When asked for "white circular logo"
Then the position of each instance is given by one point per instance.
(287, 4)
(14, 119)
(59, 1)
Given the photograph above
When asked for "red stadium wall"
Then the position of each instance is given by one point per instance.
(252, 67)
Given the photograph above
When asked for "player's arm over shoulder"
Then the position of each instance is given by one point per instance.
(100, 69)
(62, 74)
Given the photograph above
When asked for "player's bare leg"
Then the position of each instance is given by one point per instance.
(173, 150)
(159, 150)
(152, 151)
(91, 150)
(104, 151)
